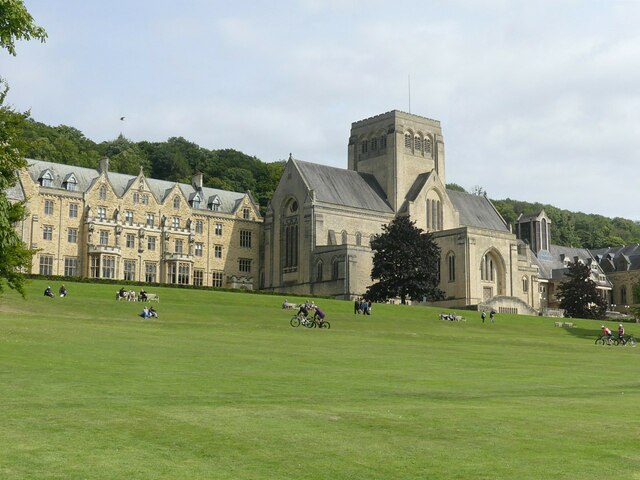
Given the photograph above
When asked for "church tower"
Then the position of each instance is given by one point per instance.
(535, 231)
(396, 147)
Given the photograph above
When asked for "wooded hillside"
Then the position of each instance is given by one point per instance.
(178, 159)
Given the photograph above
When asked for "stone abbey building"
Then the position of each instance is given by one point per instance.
(100, 224)
(315, 236)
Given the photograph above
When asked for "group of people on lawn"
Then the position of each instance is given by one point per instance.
(606, 331)
(131, 295)
(149, 312)
(62, 291)
(361, 306)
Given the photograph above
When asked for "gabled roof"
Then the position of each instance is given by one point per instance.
(631, 254)
(477, 211)
(552, 266)
(120, 182)
(343, 187)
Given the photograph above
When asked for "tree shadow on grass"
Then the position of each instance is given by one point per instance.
(590, 333)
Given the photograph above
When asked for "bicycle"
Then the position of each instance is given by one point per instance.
(298, 320)
(605, 340)
(321, 324)
(626, 341)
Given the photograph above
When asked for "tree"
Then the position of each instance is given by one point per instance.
(15, 257)
(455, 187)
(16, 23)
(579, 296)
(405, 262)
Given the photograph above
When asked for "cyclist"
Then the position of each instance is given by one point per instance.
(318, 317)
(606, 331)
(303, 312)
(621, 334)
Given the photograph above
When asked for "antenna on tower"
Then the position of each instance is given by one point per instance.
(409, 85)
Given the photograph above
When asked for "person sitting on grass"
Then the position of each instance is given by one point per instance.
(145, 312)
(63, 291)
(153, 313)
(48, 292)
(607, 332)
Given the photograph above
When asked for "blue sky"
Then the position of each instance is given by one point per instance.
(539, 101)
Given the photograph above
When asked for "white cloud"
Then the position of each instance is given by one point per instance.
(537, 101)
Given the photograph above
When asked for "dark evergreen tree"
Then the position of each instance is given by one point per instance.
(406, 263)
(579, 296)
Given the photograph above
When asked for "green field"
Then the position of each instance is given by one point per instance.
(221, 387)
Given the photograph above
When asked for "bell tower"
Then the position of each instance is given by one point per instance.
(395, 147)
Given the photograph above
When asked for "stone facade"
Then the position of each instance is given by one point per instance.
(315, 238)
(100, 224)
(320, 221)
(622, 266)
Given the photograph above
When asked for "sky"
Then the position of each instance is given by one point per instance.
(538, 101)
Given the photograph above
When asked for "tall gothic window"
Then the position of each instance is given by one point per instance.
(290, 238)
(487, 269)
(451, 264)
(408, 140)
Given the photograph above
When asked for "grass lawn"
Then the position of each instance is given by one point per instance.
(221, 387)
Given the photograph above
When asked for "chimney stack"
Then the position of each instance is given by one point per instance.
(197, 181)
(104, 165)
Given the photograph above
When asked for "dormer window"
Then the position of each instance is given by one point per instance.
(46, 180)
(70, 183)
(103, 192)
(246, 213)
(176, 202)
(214, 204)
(195, 203)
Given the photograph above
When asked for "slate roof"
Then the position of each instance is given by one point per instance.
(477, 211)
(343, 187)
(613, 258)
(121, 182)
(552, 266)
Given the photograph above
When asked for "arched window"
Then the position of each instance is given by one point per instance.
(358, 239)
(176, 202)
(290, 239)
(623, 295)
(525, 284)
(103, 193)
(408, 140)
(371, 237)
(428, 213)
(417, 144)
(383, 142)
(434, 215)
(335, 269)
(344, 237)
(319, 267)
(363, 146)
(487, 269)
(451, 264)
(427, 145)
